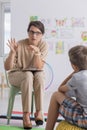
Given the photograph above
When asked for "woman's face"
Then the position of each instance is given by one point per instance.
(35, 35)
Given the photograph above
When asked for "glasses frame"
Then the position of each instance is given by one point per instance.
(31, 32)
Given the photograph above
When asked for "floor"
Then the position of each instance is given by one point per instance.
(17, 107)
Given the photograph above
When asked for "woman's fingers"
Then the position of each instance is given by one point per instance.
(12, 44)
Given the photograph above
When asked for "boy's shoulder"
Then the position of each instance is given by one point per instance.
(81, 74)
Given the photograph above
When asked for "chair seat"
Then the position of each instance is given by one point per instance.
(64, 125)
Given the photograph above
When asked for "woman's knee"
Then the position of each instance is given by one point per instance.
(28, 75)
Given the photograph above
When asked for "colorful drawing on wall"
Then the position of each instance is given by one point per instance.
(33, 18)
(61, 22)
(84, 36)
(60, 47)
(77, 22)
(54, 33)
(51, 33)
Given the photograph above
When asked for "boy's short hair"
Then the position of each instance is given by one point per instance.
(37, 24)
(78, 56)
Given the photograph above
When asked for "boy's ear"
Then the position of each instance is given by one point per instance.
(75, 67)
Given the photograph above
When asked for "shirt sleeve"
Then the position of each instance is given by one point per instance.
(72, 83)
(44, 50)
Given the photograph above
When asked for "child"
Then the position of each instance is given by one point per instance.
(74, 111)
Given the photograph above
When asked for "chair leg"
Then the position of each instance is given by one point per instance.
(10, 108)
(13, 92)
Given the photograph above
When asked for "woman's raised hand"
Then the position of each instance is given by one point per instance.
(12, 45)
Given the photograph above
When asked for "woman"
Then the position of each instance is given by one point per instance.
(25, 64)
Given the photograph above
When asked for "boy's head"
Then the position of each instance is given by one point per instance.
(78, 56)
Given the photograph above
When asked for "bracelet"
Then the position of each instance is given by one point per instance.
(38, 53)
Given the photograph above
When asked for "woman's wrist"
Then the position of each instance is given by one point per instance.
(12, 53)
(37, 53)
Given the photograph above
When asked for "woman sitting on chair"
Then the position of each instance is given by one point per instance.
(25, 64)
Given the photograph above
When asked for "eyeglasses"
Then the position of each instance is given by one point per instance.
(36, 33)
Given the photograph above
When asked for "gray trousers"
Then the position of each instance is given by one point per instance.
(28, 81)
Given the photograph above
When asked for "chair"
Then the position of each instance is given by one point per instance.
(13, 92)
(64, 125)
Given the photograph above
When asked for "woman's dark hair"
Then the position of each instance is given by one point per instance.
(37, 24)
(78, 56)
